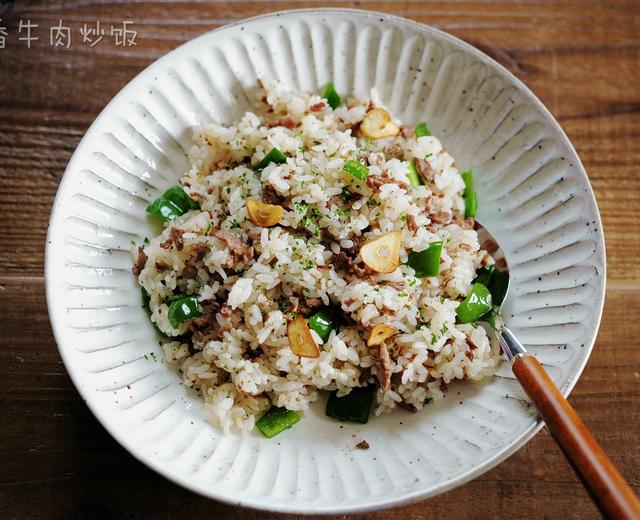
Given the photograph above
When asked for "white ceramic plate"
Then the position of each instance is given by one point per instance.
(534, 197)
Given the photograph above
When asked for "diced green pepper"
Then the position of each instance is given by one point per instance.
(467, 177)
(470, 198)
(183, 309)
(274, 156)
(164, 209)
(353, 407)
(356, 169)
(497, 283)
(490, 317)
(276, 420)
(331, 95)
(179, 197)
(323, 322)
(470, 205)
(413, 176)
(422, 130)
(145, 300)
(475, 305)
(427, 262)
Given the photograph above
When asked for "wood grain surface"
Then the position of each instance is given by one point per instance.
(582, 58)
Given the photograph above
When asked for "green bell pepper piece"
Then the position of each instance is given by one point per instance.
(323, 322)
(164, 209)
(276, 420)
(470, 205)
(467, 177)
(183, 309)
(274, 156)
(475, 305)
(356, 169)
(413, 176)
(427, 262)
(331, 95)
(180, 198)
(422, 130)
(495, 281)
(470, 198)
(353, 407)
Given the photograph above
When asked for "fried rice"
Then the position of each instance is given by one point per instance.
(251, 281)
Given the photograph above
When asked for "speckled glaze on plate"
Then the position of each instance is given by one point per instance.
(534, 197)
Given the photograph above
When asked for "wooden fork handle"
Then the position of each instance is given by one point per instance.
(605, 484)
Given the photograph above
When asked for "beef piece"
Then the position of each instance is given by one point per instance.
(141, 261)
(386, 311)
(286, 121)
(269, 194)
(407, 131)
(240, 253)
(424, 169)
(306, 305)
(470, 343)
(374, 182)
(203, 326)
(468, 223)
(363, 445)
(396, 285)
(167, 243)
(162, 266)
(342, 262)
(411, 224)
(441, 217)
(176, 235)
(224, 319)
(394, 151)
(199, 250)
(316, 107)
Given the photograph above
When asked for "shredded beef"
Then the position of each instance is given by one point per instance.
(468, 223)
(286, 121)
(176, 236)
(141, 261)
(224, 319)
(424, 169)
(406, 131)
(411, 223)
(162, 266)
(199, 250)
(363, 445)
(441, 217)
(306, 305)
(240, 253)
(396, 285)
(374, 182)
(342, 262)
(394, 151)
(203, 326)
(269, 194)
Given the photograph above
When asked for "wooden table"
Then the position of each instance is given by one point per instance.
(582, 58)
